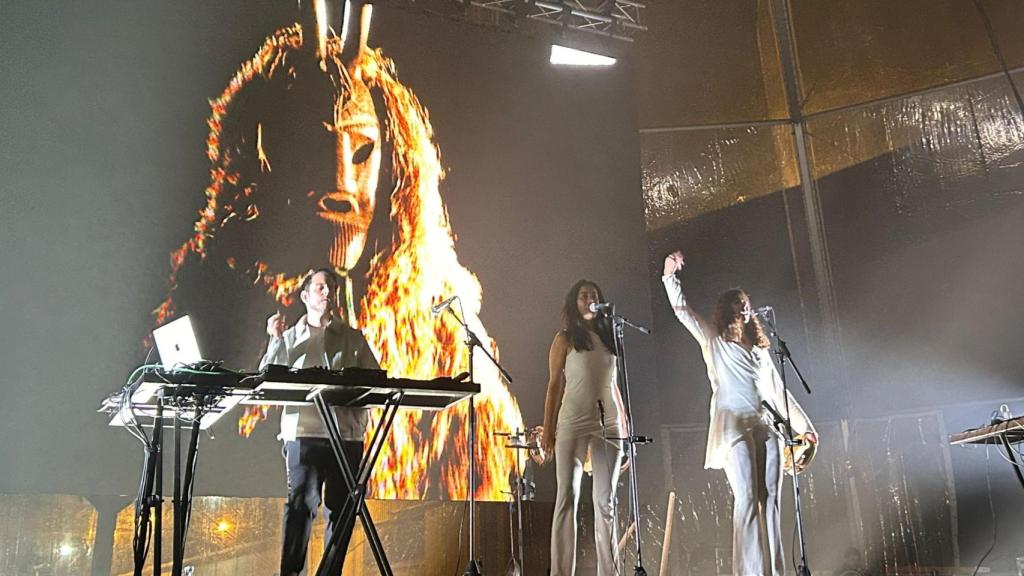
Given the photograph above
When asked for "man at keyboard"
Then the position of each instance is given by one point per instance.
(319, 338)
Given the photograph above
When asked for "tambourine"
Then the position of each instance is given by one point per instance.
(535, 444)
(804, 452)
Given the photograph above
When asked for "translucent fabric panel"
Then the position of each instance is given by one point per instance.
(954, 133)
(702, 525)
(226, 536)
(708, 62)
(904, 493)
(687, 173)
(854, 52)
(876, 499)
(232, 536)
(46, 534)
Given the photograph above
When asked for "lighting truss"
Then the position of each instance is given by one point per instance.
(619, 19)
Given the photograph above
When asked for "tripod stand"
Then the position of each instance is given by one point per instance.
(783, 422)
(522, 490)
(473, 342)
(618, 328)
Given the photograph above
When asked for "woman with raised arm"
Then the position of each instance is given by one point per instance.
(583, 414)
(741, 440)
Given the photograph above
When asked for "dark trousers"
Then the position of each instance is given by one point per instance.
(311, 466)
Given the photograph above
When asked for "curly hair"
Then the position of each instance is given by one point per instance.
(730, 325)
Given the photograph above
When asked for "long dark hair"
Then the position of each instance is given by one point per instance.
(731, 327)
(575, 327)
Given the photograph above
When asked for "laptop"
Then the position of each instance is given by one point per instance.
(176, 343)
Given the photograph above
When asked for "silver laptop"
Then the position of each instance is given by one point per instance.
(176, 343)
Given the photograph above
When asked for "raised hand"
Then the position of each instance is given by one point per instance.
(674, 262)
(276, 325)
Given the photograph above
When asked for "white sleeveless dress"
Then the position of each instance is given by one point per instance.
(590, 380)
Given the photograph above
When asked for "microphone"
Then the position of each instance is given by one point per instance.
(761, 310)
(441, 307)
(605, 307)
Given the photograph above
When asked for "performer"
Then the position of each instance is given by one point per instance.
(317, 339)
(740, 438)
(583, 412)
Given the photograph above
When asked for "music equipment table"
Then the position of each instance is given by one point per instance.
(1005, 433)
(1012, 430)
(201, 397)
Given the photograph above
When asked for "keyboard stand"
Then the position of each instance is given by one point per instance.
(341, 534)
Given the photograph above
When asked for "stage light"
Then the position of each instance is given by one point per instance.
(223, 527)
(66, 550)
(565, 56)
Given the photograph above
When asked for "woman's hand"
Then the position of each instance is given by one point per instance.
(811, 440)
(547, 442)
(674, 262)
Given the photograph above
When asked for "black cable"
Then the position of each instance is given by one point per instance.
(793, 548)
(992, 509)
(462, 524)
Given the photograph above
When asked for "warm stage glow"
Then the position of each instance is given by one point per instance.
(427, 453)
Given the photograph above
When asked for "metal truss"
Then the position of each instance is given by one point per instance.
(619, 19)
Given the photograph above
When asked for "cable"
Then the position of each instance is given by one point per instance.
(1007, 459)
(992, 508)
(462, 524)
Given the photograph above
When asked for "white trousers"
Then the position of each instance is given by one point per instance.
(754, 470)
(605, 455)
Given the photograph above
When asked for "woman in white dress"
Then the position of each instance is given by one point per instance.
(583, 415)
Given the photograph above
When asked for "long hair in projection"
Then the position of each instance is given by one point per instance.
(270, 223)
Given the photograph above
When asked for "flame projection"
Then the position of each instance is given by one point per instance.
(420, 266)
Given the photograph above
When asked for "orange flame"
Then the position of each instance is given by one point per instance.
(425, 453)
(421, 268)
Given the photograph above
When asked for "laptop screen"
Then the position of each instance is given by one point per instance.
(176, 343)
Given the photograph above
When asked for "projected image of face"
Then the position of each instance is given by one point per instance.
(318, 145)
(296, 143)
(349, 207)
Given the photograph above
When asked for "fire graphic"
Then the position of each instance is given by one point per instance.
(427, 452)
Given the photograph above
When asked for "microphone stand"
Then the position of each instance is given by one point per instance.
(472, 341)
(781, 352)
(618, 324)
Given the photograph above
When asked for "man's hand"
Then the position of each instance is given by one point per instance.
(276, 325)
(673, 263)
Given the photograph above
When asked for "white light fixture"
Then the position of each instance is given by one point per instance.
(66, 550)
(571, 57)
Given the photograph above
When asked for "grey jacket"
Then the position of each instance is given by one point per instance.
(343, 347)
